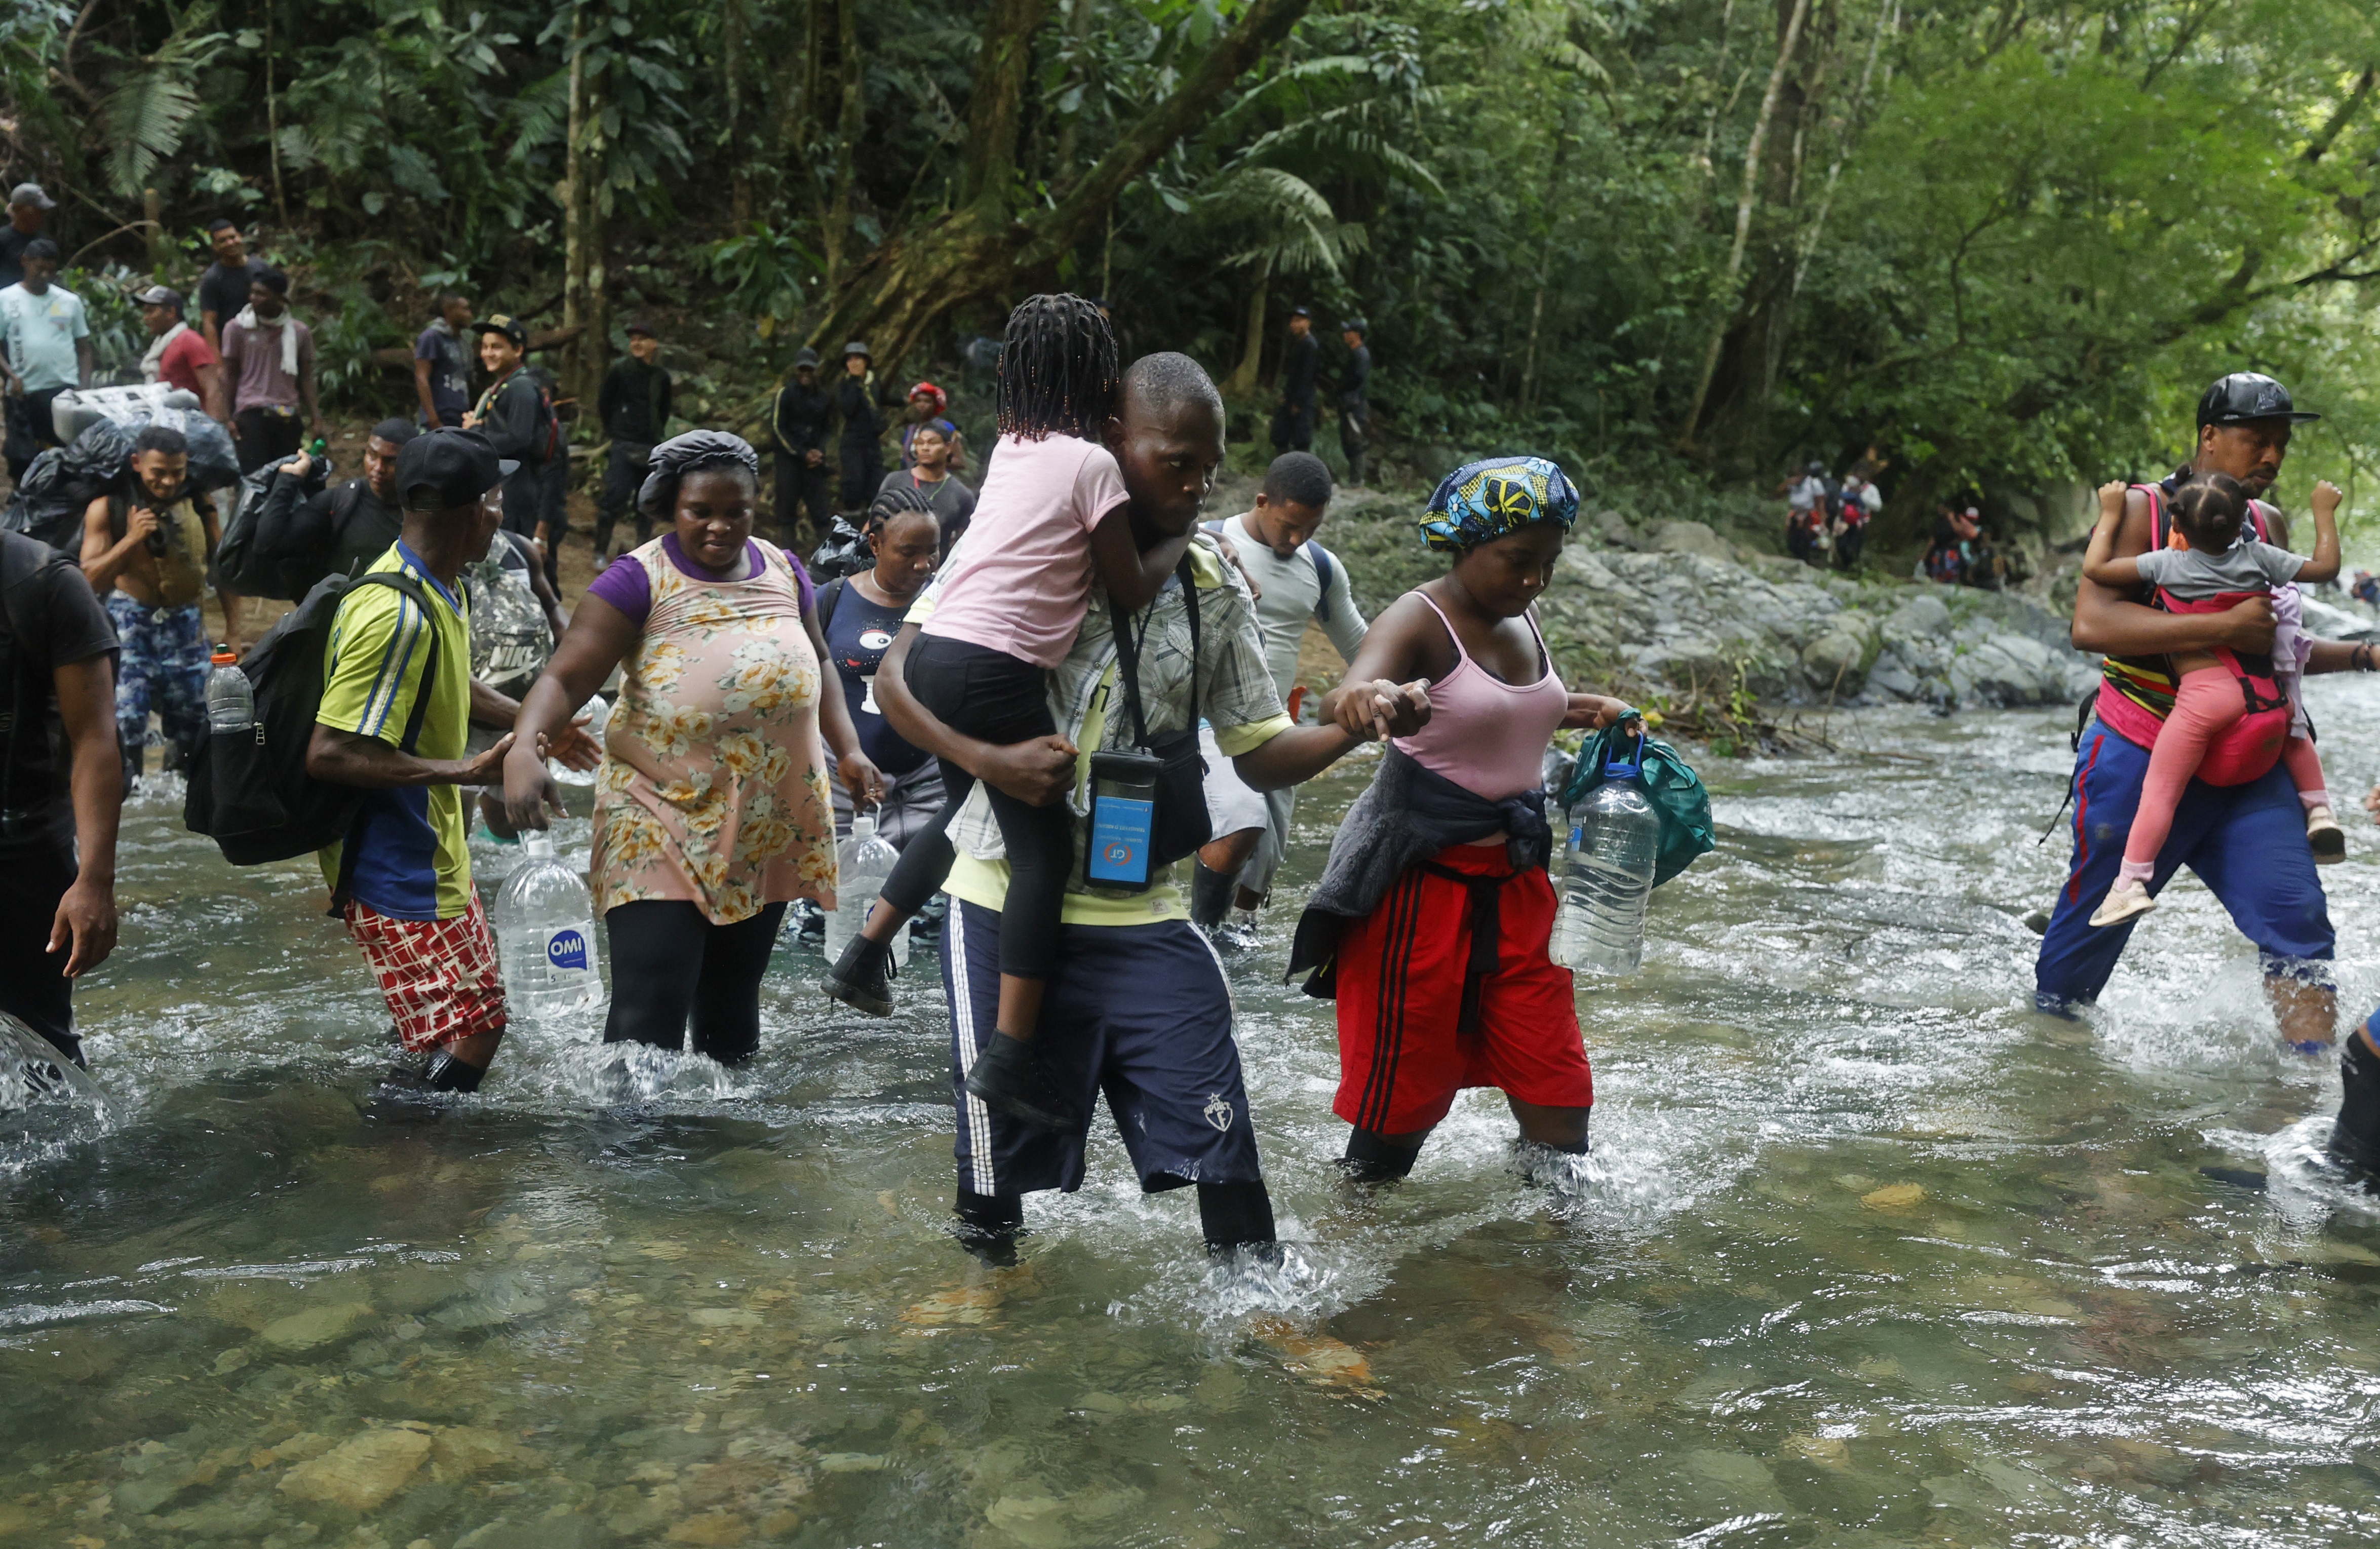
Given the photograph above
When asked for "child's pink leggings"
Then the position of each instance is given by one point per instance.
(2204, 706)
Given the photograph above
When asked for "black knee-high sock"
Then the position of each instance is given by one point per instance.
(1370, 1159)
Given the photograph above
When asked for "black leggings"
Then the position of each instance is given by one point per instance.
(668, 960)
(993, 696)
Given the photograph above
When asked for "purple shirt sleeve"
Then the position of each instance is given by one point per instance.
(625, 585)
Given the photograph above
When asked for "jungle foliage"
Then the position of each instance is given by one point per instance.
(1996, 240)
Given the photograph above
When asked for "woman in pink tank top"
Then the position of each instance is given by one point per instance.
(1438, 954)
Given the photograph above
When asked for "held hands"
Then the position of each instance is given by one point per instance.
(1378, 710)
(485, 768)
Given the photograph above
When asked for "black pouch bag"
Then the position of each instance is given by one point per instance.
(1148, 803)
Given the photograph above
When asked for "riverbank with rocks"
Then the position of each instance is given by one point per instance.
(1677, 606)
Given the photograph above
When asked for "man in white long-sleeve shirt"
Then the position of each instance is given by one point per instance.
(1297, 580)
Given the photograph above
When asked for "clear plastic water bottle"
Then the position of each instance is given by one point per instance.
(862, 863)
(231, 700)
(1608, 875)
(545, 934)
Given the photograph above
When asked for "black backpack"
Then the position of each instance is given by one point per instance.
(249, 792)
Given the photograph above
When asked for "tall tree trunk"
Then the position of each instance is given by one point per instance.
(1242, 380)
(980, 248)
(582, 170)
(850, 124)
(996, 102)
(734, 49)
(789, 139)
(1545, 261)
(1070, 140)
(1744, 207)
(271, 120)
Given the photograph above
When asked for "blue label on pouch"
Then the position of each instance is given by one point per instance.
(1119, 841)
(566, 949)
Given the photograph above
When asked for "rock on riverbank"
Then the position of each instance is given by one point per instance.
(1685, 611)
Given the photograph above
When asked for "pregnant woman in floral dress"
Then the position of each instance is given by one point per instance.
(710, 810)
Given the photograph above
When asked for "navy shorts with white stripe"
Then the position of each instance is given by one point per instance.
(1140, 1012)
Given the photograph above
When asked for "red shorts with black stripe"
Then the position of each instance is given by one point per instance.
(438, 976)
(1403, 1055)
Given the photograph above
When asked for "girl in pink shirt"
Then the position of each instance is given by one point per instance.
(1013, 595)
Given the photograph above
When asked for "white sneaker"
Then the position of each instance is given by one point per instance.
(2126, 900)
(2324, 837)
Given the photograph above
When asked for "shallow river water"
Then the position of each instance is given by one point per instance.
(1870, 1252)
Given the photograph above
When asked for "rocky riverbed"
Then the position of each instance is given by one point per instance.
(1681, 606)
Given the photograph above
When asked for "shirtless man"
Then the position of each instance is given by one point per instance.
(145, 553)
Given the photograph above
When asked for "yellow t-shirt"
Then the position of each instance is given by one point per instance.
(413, 860)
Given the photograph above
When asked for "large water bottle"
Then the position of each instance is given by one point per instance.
(231, 700)
(862, 863)
(598, 717)
(1608, 876)
(545, 934)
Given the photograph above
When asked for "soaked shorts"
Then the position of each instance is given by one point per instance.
(162, 667)
(2247, 842)
(1404, 1050)
(438, 976)
(1139, 1012)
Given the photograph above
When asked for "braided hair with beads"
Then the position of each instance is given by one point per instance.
(1058, 372)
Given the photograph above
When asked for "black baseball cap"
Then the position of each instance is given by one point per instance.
(2245, 396)
(1300, 311)
(639, 325)
(443, 469)
(498, 322)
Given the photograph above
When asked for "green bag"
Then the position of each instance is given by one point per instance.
(1668, 781)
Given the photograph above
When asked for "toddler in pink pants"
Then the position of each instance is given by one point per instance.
(2221, 566)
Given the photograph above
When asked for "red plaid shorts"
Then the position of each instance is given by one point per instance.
(438, 976)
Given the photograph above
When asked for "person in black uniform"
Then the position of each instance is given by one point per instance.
(633, 403)
(862, 459)
(1354, 405)
(513, 415)
(798, 421)
(1293, 422)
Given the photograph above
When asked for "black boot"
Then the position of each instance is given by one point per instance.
(1008, 1077)
(862, 977)
(2355, 1138)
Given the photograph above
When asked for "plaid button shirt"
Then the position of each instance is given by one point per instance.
(1235, 687)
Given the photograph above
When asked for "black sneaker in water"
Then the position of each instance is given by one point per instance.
(1008, 1077)
(862, 977)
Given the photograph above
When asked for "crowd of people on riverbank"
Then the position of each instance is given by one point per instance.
(1057, 689)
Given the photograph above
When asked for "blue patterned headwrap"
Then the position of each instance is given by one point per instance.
(1485, 500)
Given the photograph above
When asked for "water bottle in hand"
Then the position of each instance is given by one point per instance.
(545, 934)
(231, 700)
(1608, 875)
(863, 862)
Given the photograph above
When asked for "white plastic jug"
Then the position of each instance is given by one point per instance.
(545, 936)
(862, 863)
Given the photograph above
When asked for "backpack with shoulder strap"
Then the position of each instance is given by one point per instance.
(249, 791)
(824, 600)
(1323, 572)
